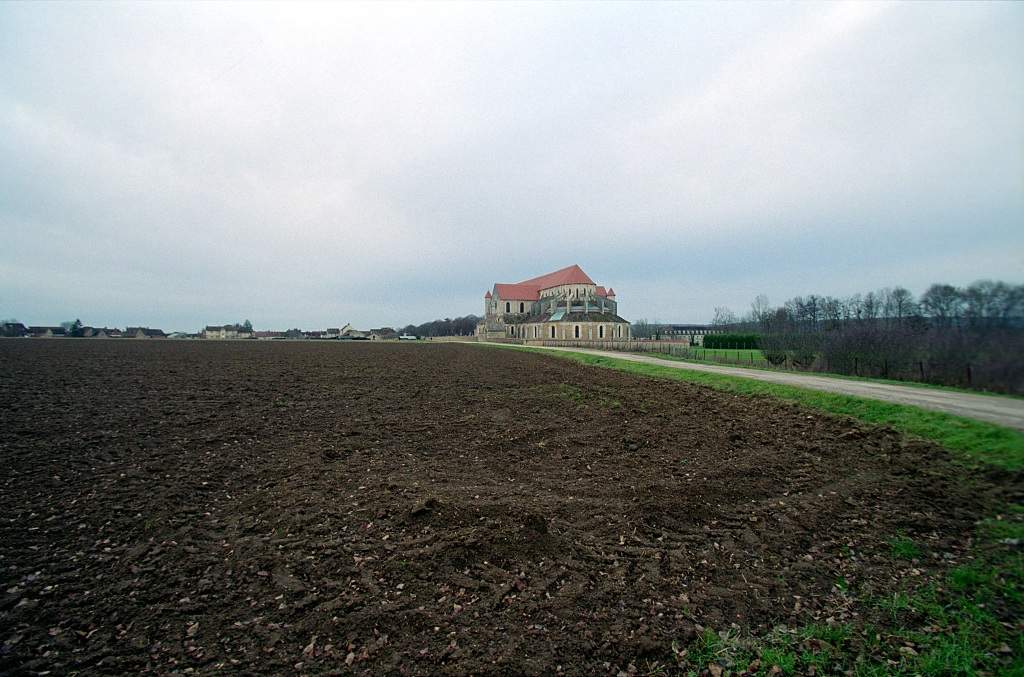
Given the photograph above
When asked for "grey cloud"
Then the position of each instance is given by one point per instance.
(304, 165)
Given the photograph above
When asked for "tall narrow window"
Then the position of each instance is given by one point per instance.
(508, 307)
(521, 308)
(552, 331)
(600, 331)
(577, 331)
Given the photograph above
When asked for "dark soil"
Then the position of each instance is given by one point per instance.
(271, 507)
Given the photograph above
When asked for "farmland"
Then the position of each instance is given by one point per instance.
(427, 509)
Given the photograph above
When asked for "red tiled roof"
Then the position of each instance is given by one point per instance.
(611, 293)
(600, 291)
(529, 290)
(487, 295)
(571, 275)
(517, 292)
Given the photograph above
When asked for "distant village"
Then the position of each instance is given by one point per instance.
(76, 329)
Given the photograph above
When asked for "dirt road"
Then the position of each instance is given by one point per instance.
(1005, 411)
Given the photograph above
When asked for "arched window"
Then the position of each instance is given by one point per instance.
(508, 307)
(521, 307)
(577, 330)
(600, 331)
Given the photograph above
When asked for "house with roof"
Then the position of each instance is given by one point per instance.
(13, 329)
(383, 334)
(143, 333)
(565, 305)
(99, 332)
(227, 331)
(350, 332)
(46, 332)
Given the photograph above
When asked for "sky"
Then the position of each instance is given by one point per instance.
(177, 165)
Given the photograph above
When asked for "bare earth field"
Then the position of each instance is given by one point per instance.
(428, 509)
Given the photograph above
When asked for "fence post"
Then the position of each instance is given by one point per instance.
(921, 364)
(856, 371)
(968, 373)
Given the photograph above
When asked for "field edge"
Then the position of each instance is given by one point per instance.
(973, 441)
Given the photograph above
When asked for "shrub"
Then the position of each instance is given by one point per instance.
(741, 341)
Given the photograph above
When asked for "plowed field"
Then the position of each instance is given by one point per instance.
(427, 509)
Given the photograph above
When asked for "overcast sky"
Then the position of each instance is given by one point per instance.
(178, 165)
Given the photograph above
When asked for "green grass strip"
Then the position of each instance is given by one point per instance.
(976, 441)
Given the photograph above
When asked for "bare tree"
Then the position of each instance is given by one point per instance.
(723, 317)
(760, 309)
(902, 302)
(641, 329)
(871, 306)
(943, 303)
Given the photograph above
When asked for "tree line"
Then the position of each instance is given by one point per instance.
(459, 326)
(971, 336)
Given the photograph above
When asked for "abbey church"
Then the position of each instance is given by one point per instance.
(565, 305)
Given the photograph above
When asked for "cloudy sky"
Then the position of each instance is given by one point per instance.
(176, 165)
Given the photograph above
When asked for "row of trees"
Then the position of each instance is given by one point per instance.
(984, 303)
(460, 326)
(970, 335)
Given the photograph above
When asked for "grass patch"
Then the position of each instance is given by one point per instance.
(743, 357)
(903, 547)
(575, 394)
(966, 623)
(974, 440)
(569, 392)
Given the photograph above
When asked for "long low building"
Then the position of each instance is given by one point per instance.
(693, 333)
(565, 305)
